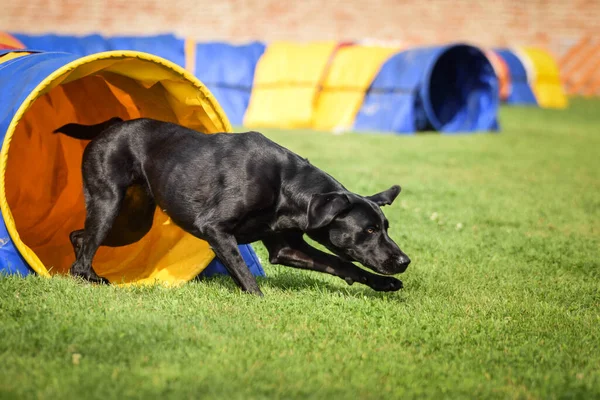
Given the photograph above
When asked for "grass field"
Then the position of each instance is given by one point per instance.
(502, 299)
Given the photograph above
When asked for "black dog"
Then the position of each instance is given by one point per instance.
(228, 189)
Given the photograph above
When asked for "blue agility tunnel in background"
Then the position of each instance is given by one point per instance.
(449, 89)
(228, 72)
(226, 69)
(521, 91)
(41, 189)
(167, 46)
(75, 45)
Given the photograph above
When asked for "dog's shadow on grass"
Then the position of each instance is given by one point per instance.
(300, 282)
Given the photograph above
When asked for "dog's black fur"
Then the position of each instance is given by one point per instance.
(228, 189)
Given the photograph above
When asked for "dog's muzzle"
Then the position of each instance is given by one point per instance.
(395, 265)
(402, 263)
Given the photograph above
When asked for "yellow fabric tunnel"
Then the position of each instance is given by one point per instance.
(544, 75)
(348, 78)
(286, 84)
(41, 192)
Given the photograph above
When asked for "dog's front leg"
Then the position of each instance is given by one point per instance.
(226, 249)
(291, 250)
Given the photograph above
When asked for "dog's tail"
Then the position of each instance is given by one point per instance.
(86, 132)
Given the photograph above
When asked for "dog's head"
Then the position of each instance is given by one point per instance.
(354, 228)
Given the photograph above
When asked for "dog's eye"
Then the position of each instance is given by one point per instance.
(371, 230)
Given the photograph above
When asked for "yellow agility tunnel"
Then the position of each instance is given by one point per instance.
(544, 77)
(286, 84)
(41, 192)
(318, 85)
(346, 81)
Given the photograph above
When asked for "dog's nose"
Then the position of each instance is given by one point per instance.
(403, 262)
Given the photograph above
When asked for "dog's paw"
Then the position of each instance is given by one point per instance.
(386, 284)
(102, 281)
(89, 277)
(97, 280)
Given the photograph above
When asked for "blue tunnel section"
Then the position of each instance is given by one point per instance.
(521, 92)
(450, 89)
(228, 72)
(226, 69)
(18, 77)
(166, 46)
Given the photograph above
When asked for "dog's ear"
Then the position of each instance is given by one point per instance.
(386, 197)
(323, 208)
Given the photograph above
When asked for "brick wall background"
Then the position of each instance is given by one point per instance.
(554, 24)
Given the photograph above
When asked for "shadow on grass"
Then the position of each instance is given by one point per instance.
(296, 281)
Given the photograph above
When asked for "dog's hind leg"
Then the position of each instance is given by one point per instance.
(132, 224)
(291, 250)
(76, 238)
(135, 218)
(102, 210)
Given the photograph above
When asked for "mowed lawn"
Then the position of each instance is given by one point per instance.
(502, 299)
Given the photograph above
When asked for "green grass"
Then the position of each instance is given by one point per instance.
(502, 299)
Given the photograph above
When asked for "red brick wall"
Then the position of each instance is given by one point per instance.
(553, 24)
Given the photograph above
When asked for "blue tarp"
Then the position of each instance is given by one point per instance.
(520, 91)
(228, 72)
(166, 46)
(18, 78)
(449, 89)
